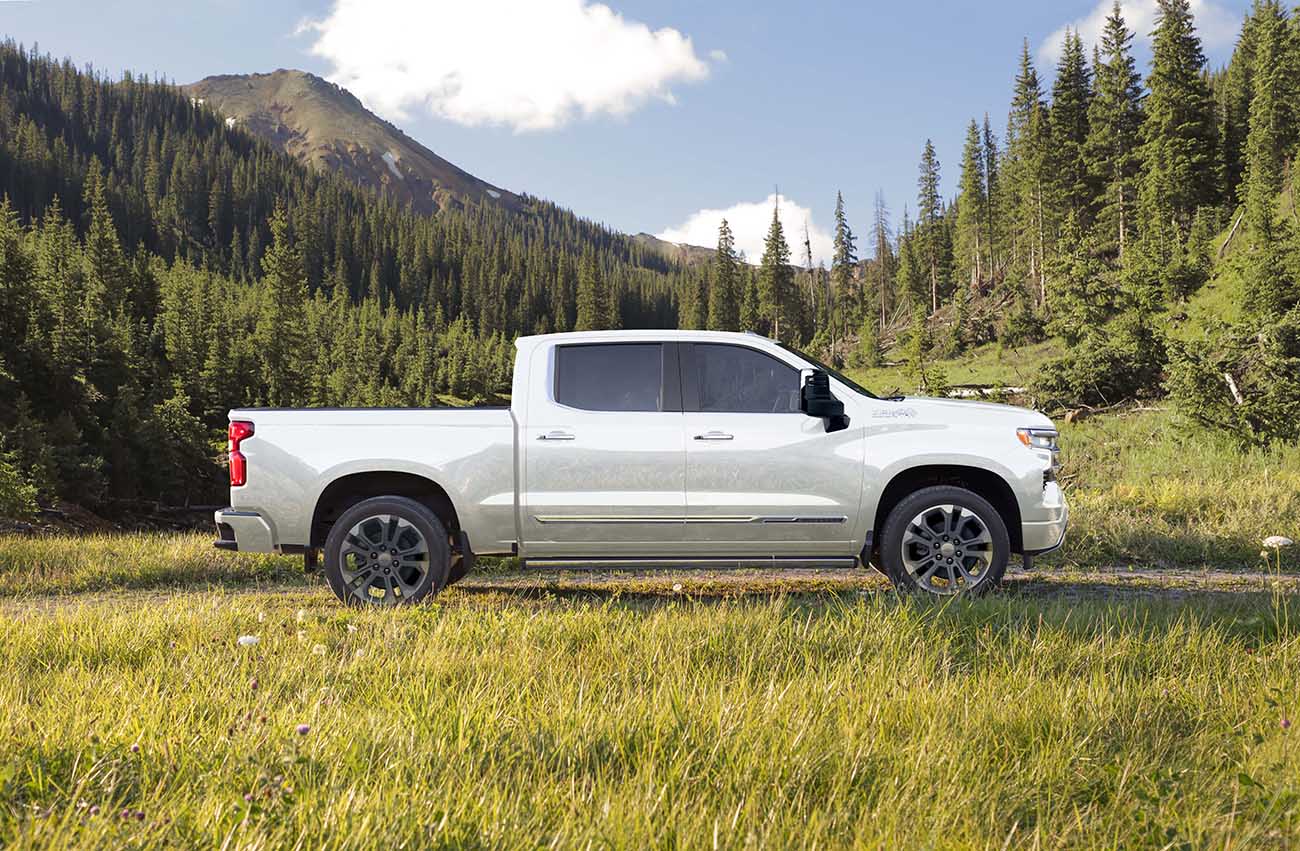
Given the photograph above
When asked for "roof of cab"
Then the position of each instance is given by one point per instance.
(648, 334)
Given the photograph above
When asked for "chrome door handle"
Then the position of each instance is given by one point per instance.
(715, 435)
(556, 435)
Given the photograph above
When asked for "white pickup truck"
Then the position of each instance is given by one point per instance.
(649, 448)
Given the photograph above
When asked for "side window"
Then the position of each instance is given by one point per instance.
(736, 379)
(613, 377)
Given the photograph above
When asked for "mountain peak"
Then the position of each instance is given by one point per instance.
(325, 126)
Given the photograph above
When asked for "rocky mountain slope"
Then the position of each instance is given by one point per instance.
(328, 128)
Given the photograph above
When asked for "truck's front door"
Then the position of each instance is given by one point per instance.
(762, 478)
(604, 461)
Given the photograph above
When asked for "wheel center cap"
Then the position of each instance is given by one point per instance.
(948, 550)
(385, 560)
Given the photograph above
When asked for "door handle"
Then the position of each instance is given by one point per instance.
(715, 435)
(556, 435)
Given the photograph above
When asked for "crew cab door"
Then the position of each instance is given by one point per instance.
(762, 478)
(604, 460)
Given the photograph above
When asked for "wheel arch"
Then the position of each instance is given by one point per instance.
(346, 491)
(985, 483)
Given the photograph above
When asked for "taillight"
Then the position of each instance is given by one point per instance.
(239, 430)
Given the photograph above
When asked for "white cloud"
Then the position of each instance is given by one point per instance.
(1216, 24)
(526, 64)
(749, 222)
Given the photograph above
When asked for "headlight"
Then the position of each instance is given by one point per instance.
(1038, 438)
(1043, 440)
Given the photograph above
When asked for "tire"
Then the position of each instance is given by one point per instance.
(387, 551)
(945, 541)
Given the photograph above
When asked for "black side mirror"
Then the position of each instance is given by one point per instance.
(816, 400)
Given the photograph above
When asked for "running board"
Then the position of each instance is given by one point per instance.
(746, 563)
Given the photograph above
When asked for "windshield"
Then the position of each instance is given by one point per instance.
(833, 373)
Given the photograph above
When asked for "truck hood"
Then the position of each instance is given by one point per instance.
(964, 411)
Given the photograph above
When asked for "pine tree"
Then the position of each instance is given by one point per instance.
(1178, 138)
(1115, 120)
(972, 213)
(1071, 98)
(724, 294)
(884, 262)
(918, 357)
(929, 211)
(593, 308)
(279, 332)
(16, 270)
(844, 259)
(776, 279)
(693, 311)
(751, 314)
(1083, 297)
(992, 199)
(868, 353)
(1027, 176)
(107, 287)
(1270, 290)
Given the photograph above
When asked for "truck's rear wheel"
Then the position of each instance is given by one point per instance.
(386, 551)
(945, 540)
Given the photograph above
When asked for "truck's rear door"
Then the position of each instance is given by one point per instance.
(604, 452)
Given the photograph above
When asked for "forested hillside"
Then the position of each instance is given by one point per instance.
(158, 266)
(1104, 210)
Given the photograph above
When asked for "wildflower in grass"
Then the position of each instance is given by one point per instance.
(135, 748)
(248, 640)
(677, 587)
(302, 615)
(94, 810)
(1286, 723)
(252, 684)
(318, 649)
(1277, 542)
(303, 729)
(352, 627)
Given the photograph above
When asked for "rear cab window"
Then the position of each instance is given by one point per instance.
(617, 377)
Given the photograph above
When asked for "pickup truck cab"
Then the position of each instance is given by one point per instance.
(649, 448)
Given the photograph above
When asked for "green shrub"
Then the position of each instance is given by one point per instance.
(1241, 379)
(17, 495)
(1123, 359)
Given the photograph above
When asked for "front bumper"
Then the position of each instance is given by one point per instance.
(1044, 531)
(243, 531)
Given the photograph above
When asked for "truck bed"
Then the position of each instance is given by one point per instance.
(295, 453)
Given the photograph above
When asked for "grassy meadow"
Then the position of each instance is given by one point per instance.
(1100, 701)
(499, 719)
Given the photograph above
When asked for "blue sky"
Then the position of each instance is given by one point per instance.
(639, 114)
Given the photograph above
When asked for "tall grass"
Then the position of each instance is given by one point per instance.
(499, 722)
(60, 564)
(1144, 490)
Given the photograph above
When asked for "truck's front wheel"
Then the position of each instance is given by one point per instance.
(386, 551)
(945, 540)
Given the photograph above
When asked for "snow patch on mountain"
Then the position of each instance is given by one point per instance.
(392, 164)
